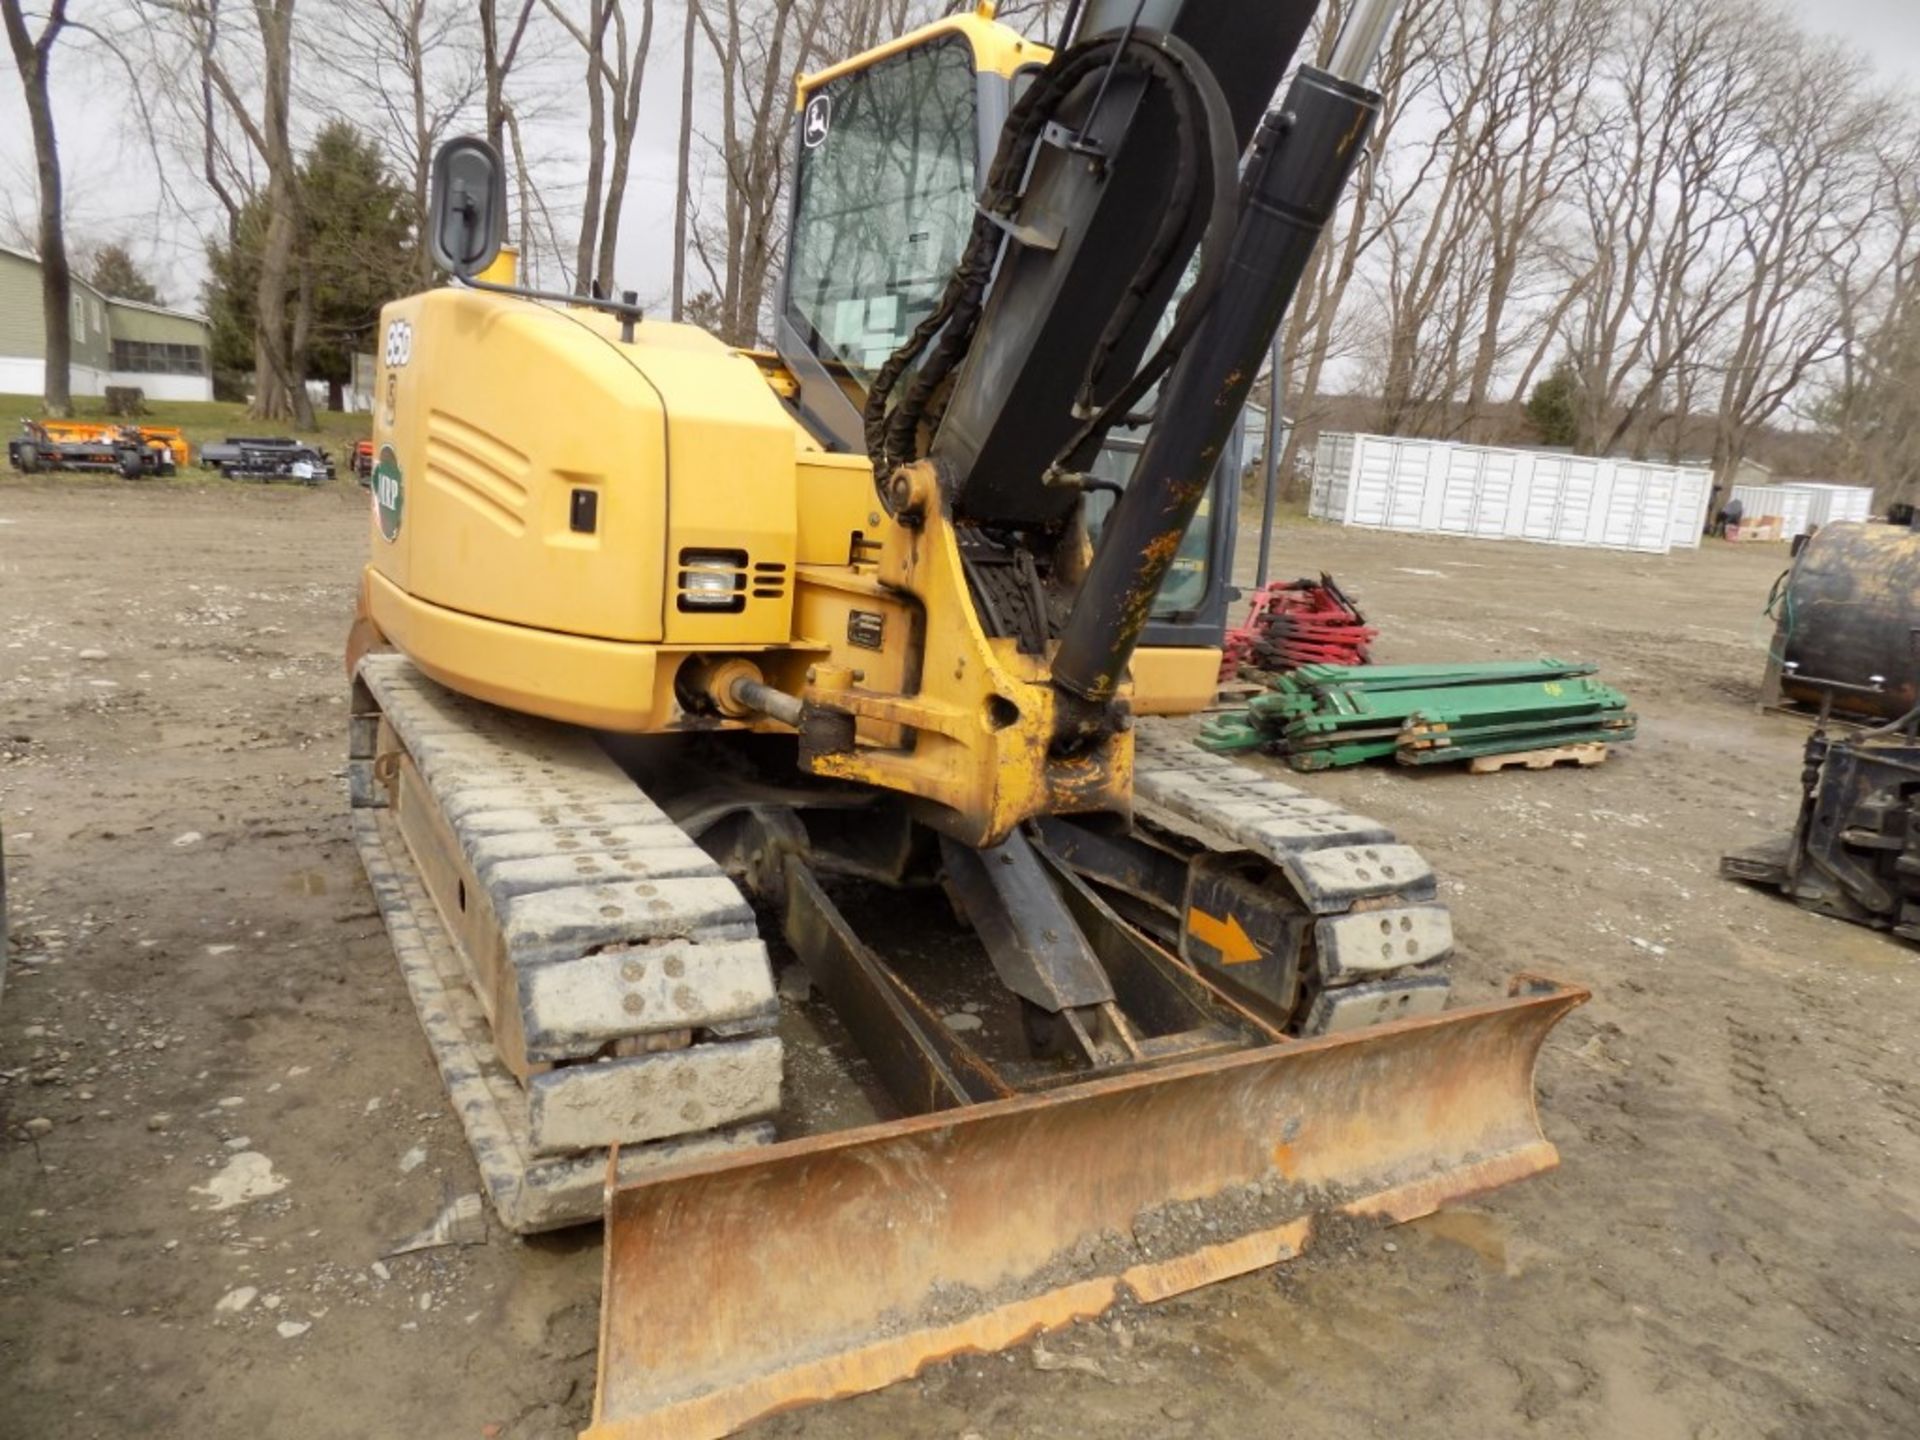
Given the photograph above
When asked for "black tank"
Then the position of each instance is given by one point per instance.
(1851, 605)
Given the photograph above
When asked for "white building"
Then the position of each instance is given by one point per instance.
(115, 342)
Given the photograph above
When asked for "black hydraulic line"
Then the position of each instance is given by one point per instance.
(1303, 158)
(1067, 22)
(1223, 164)
(1269, 466)
(1106, 78)
(1205, 128)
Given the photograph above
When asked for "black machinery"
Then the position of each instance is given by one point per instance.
(268, 457)
(77, 445)
(1844, 617)
(1854, 851)
(1847, 650)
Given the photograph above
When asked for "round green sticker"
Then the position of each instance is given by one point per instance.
(389, 493)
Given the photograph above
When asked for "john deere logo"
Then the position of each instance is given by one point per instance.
(818, 117)
(389, 493)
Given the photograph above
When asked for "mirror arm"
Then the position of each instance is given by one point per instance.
(627, 307)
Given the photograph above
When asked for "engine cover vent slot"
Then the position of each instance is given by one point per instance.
(769, 579)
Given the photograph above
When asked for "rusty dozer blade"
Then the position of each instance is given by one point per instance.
(832, 1265)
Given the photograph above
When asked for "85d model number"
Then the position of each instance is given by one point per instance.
(399, 348)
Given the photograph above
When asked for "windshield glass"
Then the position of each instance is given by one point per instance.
(1185, 587)
(883, 202)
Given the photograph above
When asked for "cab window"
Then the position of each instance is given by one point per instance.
(883, 203)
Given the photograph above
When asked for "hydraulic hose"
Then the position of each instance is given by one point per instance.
(1204, 128)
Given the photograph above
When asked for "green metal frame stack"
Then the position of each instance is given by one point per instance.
(1321, 716)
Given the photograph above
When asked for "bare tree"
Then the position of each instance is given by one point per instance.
(33, 58)
(592, 39)
(1548, 53)
(1619, 182)
(623, 81)
(1436, 231)
(758, 45)
(1467, 254)
(418, 69)
(1037, 18)
(1319, 329)
(259, 106)
(1810, 202)
(683, 169)
(499, 50)
(846, 28)
(1876, 405)
(518, 84)
(613, 100)
(1660, 179)
(1872, 401)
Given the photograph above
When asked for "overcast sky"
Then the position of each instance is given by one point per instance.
(1888, 30)
(112, 193)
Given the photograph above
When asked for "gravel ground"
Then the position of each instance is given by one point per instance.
(217, 1114)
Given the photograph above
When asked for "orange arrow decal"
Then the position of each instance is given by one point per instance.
(1236, 947)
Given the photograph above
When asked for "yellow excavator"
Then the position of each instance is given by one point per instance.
(757, 757)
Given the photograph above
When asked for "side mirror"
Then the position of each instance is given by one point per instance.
(467, 218)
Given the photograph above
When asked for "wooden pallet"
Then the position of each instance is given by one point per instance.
(1592, 753)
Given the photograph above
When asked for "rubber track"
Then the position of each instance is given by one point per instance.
(529, 1193)
(1380, 933)
(616, 927)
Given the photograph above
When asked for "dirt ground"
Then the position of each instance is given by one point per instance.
(1730, 1248)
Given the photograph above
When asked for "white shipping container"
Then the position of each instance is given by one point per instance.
(1332, 464)
(1693, 489)
(1437, 487)
(1827, 503)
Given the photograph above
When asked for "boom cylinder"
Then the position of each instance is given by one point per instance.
(1362, 38)
(1303, 157)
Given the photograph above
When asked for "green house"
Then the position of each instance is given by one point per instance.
(115, 342)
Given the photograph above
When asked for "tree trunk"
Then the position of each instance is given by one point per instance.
(497, 63)
(583, 267)
(682, 176)
(275, 384)
(32, 58)
(417, 62)
(495, 75)
(56, 281)
(1728, 454)
(610, 219)
(523, 179)
(298, 346)
(280, 380)
(633, 71)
